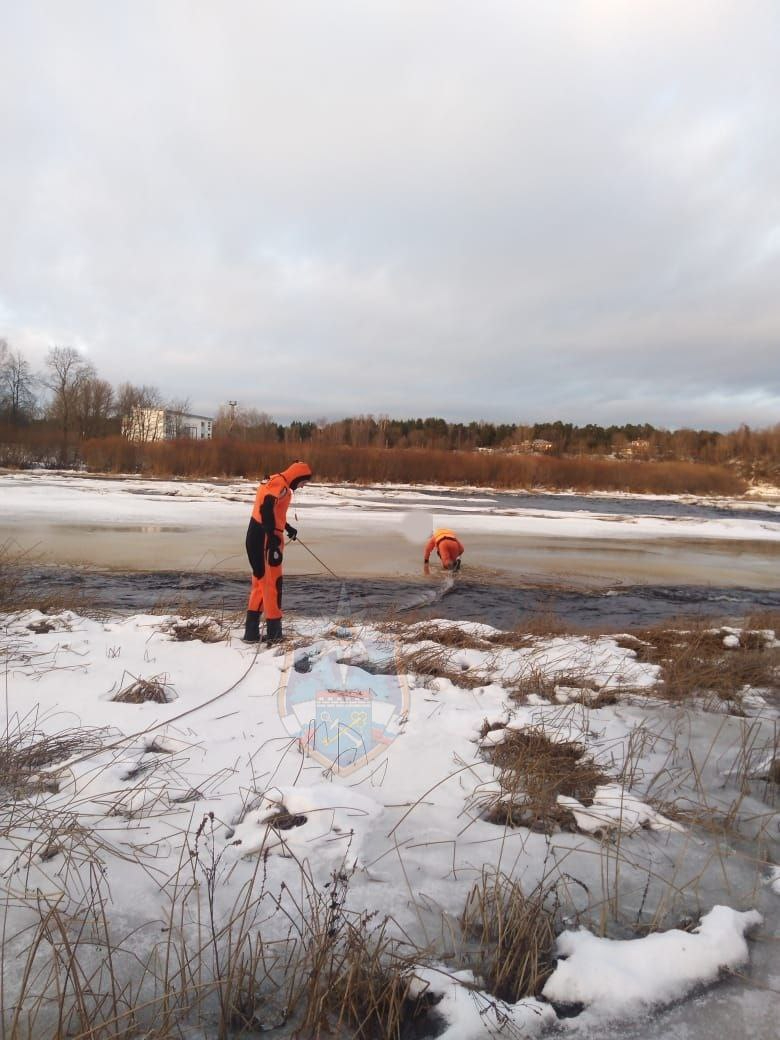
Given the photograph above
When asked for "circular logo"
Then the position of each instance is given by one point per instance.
(345, 705)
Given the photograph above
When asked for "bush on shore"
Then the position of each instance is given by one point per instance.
(229, 458)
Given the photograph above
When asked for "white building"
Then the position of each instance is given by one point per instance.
(163, 424)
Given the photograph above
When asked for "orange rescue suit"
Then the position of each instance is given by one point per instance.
(447, 545)
(265, 537)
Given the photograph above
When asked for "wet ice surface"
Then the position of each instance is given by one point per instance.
(377, 533)
(502, 501)
(499, 604)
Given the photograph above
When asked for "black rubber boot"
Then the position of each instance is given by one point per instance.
(252, 627)
(273, 630)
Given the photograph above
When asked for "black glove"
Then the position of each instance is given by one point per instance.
(274, 551)
(292, 532)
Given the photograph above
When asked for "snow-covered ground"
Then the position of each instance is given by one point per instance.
(170, 812)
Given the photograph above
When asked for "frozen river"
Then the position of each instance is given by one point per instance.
(592, 559)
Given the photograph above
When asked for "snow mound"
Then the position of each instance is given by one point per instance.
(618, 977)
(614, 809)
(313, 819)
(471, 1014)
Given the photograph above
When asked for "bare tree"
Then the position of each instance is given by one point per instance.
(67, 372)
(17, 399)
(246, 424)
(141, 409)
(93, 400)
(177, 411)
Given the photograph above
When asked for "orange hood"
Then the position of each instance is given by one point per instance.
(297, 472)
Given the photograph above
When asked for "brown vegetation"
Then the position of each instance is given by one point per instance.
(695, 661)
(434, 662)
(229, 458)
(27, 755)
(155, 689)
(515, 935)
(203, 630)
(534, 770)
(332, 462)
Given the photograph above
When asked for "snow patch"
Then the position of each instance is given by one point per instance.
(624, 976)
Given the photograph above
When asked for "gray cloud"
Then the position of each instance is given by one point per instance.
(498, 210)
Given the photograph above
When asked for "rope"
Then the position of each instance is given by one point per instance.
(168, 722)
(322, 563)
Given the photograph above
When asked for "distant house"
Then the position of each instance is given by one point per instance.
(637, 447)
(532, 447)
(163, 424)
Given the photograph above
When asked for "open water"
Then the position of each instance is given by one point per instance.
(495, 603)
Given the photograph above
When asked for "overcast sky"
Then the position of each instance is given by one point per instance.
(491, 209)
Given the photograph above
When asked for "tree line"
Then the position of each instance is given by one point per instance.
(67, 401)
(757, 451)
(69, 404)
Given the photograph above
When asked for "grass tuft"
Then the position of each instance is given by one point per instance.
(26, 754)
(696, 662)
(514, 935)
(534, 770)
(204, 630)
(155, 689)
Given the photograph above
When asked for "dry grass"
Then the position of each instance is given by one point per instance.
(323, 969)
(355, 977)
(763, 620)
(536, 625)
(204, 630)
(156, 689)
(451, 636)
(534, 770)
(514, 935)
(27, 755)
(694, 662)
(534, 682)
(438, 663)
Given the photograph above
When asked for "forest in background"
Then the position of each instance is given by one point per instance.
(68, 417)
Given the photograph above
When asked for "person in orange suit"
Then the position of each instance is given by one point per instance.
(264, 547)
(448, 546)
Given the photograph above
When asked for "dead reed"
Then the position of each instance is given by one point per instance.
(514, 935)
(534, 770)
(338, 462)
(707, 662)
(536, 625)
(204, 630)
(452, 636)
(431, 663)
(354, 975)
(27, 755)
(156, 689)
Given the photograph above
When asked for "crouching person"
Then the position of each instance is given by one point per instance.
(264, 547)
(448, 546)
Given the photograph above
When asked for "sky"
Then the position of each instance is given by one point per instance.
(497, 209)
